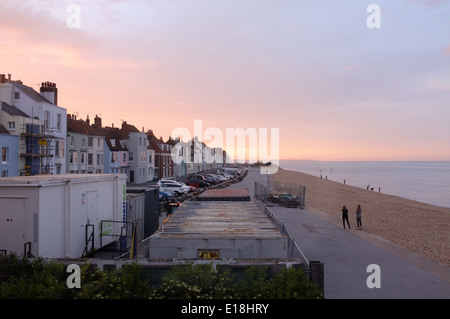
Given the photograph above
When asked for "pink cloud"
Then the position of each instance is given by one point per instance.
(349, 68)
(447, 50)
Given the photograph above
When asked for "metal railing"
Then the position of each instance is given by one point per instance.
(285, 194)
(122, 245)
(294, 250)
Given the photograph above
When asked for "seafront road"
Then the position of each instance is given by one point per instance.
(346, 255)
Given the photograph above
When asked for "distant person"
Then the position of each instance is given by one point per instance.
(345, 216)
(358, 217)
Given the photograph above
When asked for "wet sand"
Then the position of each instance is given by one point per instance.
(421, 228)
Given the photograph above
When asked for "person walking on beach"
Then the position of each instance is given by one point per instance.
(345, 216)
(358, 217)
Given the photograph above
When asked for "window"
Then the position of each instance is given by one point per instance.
(4, 155)
(73, 157)
(11, 125)
(16, 95)
(4, 173)
(71, 141)
(124, 157)
(130, 157)
(142, 156)
(83, 142)
(58, 122)
(61, 148)
(83, 158)
(90, 141)
(90, 159)
(47, 120)
(114, 157)
(100, 159)
(98, 142)
(113, 142)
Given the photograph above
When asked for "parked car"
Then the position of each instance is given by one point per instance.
(164, 195)
(177, 189)
(217, 177)
(211, 180)
(198, 176)
(227, 176)
(197, 182)
(170, 181)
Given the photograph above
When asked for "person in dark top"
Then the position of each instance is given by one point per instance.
(358, 217)
(345, 217)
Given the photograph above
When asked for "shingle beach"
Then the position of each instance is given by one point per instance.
(422, 228)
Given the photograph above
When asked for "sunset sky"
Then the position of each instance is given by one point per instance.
(335, 88)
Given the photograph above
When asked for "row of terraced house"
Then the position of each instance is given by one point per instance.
(39, 137)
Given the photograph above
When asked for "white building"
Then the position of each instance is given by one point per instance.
(150, 163)
(51, 135)
(85, 147)
(136, 143)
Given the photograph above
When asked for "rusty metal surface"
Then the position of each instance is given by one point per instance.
(225, 194)
(219, 219)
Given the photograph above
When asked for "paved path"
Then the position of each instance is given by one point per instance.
(346, 254)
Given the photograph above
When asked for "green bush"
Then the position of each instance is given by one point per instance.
(128, 282)
(293, 284)
(33, 280)
(23, 279)
(189, 281)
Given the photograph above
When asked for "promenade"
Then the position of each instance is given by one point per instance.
(346, 255)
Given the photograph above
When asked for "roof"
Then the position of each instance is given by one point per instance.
(198, 219)
(3, 130)
(42, 180)
(113, 133)
(172, 141)
(227, 194)
(127, 129)
(154, 143)
(12, 110)
(82, 127)
(32, 93)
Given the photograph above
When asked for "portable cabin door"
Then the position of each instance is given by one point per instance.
(12, 225)
(92, 213)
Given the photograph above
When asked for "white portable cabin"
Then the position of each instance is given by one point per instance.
(55, 216)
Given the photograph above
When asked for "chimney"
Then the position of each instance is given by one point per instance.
(97, 121)
(2, 78)
(87, 120)
(9, 77)
(49, 91)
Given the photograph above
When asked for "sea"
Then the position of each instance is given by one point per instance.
(427, 182)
